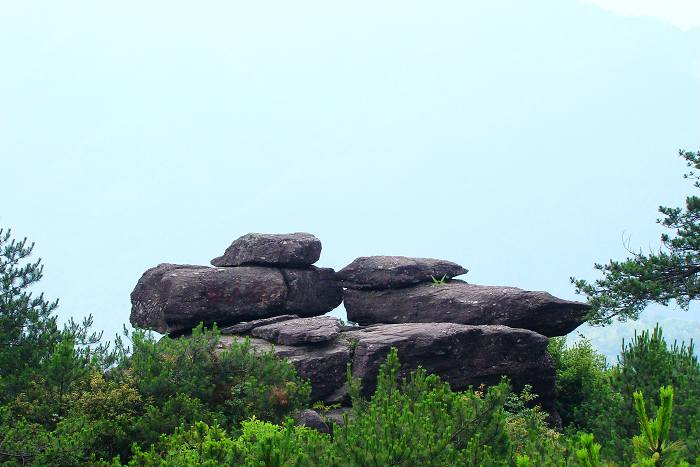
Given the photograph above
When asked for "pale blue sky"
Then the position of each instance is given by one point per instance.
(522, 140)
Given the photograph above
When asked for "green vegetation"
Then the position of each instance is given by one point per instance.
(440, 281)
(67, 399)
(672, 273)
(598, 399)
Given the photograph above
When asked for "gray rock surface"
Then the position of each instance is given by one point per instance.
(459, 302)
(311, 419)
(295, 249)
(247, 326)
(462, 355)
(300, 331)
(149, 297)
(323, 365)
(312, 291)
(171, 298)
(387, 272)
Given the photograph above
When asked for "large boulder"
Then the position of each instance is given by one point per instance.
(387, 272)
(311, 291)
(462, 355)
(173, 298)
(300, 331)
(311, 419)
(323, 365)
(459, 302)
(294, 250)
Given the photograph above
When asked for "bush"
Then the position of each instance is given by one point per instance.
(598, 399)
(414, 421)
(648, 363)
(586, 399)
(233, 384)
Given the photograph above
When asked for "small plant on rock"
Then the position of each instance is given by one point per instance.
(441, 281)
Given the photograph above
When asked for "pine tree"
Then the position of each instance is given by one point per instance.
(28, 331)
(672, 273)
(653, 446)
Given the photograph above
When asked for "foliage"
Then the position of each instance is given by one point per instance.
(529, 433)
(260, 443)
(583, 386)
(440, 281)
(195, 400)
(596, 399)
(236, 382)
(646, 364)
(588, 454)
(421, 420)
(654, 444)
(672, 273)
(28, 330)
(413, 421)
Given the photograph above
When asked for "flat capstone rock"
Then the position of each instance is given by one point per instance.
(247, 326)
(462, 303)
(293, 250)
(300, 331)
(389, 272)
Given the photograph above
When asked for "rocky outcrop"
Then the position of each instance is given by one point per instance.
(459, 302)
(247, 326)
(388, 272)
(324, 365)
(277, 279)
(300, 331)
(169, 299)
(294, 250)
(462, 355)
(265, 289)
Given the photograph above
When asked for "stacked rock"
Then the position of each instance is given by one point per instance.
(265, 288)
(259, 276)
(397, 289)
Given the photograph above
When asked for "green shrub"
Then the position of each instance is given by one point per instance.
(237, 382)
(260, 443)
(598, 400)
(648, 363)
(586, 399)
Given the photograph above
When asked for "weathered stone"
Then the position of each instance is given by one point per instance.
(149, 298)
(300, 331)
(459, 302)
(246, 326)
(312, 291)
(295, 249)
(173, 298)
(323, 365)
(388, 272)
(311, 419)
(462, 355)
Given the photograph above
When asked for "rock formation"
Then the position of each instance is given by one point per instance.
(388, 272)
(296, 250)
(265, 288)
(275, 280)
(456, 301)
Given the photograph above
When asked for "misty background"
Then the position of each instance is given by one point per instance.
(522, 140)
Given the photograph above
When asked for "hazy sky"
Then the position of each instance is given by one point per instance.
(523, 140)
